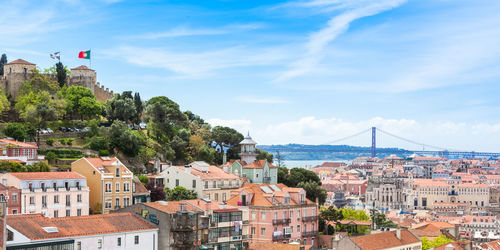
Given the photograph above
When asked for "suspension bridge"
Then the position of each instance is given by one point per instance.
(435, 150)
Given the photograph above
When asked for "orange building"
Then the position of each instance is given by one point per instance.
(109, 180)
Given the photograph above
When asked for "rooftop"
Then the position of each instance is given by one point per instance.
(385, 240)
(20, 61)
(34, 226)
(46, 175)
(17, 143)
(82, 67)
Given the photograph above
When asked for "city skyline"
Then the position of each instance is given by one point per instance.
(425, 70)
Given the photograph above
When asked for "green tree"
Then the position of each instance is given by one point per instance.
(180, 193)
(279, 159)
(330, 214)
(119, 108)
(282, 174)
(123, 139)
(263, 155)
(4, 102)
(8, 166)
(144, 179)
(16, 131)
(438, 241)
(50, 156)
(61, 74)
(93, 126)
(298, 175)
(80, 101)
(38, 116)
(165, 117)
(313, 191)
(3, 61)
(226, 137)
(139, 108)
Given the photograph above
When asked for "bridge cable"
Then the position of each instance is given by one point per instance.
(413, 142)
(347, 137)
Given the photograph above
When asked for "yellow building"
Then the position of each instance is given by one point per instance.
(109, 182)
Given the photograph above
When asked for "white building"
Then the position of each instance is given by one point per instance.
(107, 231)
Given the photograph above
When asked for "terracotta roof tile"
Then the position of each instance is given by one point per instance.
(139, 187)
(82, 67)
(385, 240)
(213, 173)
(258, 164)
(20, 61)
(17, 143)
(171, 206)
(31, 225)
(46, 175)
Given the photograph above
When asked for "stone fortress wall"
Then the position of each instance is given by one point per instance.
(19, 71)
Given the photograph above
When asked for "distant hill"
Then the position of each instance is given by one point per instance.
(329, 152)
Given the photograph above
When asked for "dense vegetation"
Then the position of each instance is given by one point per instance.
(125, 125)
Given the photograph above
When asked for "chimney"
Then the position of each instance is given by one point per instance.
(188, 168)
(398, 233)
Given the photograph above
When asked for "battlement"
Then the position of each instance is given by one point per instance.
(19, 71)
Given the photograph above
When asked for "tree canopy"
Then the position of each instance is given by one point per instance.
(180, 193)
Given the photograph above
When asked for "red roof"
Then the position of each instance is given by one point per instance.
(82, 67)
(46, 175)
(32, 225)
(17, 143)
(258, 164)
(385, 240)
(20, 61)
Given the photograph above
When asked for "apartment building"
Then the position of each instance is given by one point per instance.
(109, 181)
(278, 213)
(209, 182)
(14, 200)
(109, 231)
(53, 194)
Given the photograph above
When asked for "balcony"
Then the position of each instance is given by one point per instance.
(117, 207)
(281, 237)
(281, 221)
(309, 234)
(309, 218)
(453, 193)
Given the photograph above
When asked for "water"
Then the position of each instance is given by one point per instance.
(307, 163)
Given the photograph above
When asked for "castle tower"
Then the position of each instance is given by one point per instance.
(83, 76)
(248, 152)
(15, 73)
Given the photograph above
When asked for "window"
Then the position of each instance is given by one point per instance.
(263, 215)
(126, 186)
(79, 198)
(68, 213)
(117, 172)
(263, 231)
(14, 198)
(79, 212)
(56, 213)
(291, 229)
(206, 184)
(291, 214)
(126, 202)
(10, 235)
(79, 245)
(30, 187)
(43, 187)
(136, 239)
(224, 197)
(14, 211)
(117, 203)
(56, 199)
(108, 204)
(176, 182)
(117, 187)
(216, 196)
(108, 187)
(256, 175)
(275, 215)
(68, 200)
(305, 213)
(66, 185)
(44, 201)
(32, 200)
(252, 231)
(194, 183)
(254, 215)
(298, 228)
(78, 185)
(119, 241)
(99, 243)
(214, 184)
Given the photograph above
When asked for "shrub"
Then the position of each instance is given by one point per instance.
(69, 141)
(98, 143)
(104, 152)
(144, 179)
(50, 141)
(62, 141)
(16, 131)
(50, 156)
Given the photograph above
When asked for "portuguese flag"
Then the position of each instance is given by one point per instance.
(84, 54)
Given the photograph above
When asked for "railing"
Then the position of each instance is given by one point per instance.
(117, 207)
(309, 234)
(281, 237)
(281, 221)
(309, 218)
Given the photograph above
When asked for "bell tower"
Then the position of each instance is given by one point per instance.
(248, 153)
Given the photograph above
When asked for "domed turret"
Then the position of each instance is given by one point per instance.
(248, 152)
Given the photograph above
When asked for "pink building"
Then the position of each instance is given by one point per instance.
(278, 213)
(53, 194)
(14, 200)
(23, 152)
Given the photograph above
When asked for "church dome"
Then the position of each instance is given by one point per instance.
(248, 140)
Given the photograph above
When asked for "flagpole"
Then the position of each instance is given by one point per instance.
(90, 57)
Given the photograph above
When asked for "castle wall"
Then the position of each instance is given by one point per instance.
(11, 82)
(85, 78)
(102, 94)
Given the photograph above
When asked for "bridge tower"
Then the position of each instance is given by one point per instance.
(374, 141)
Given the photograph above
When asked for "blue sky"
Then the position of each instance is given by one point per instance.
(288, 71)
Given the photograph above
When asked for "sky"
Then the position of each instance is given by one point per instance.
(298, 71)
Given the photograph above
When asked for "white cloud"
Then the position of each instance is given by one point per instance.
(335, 26)
(312, 130)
